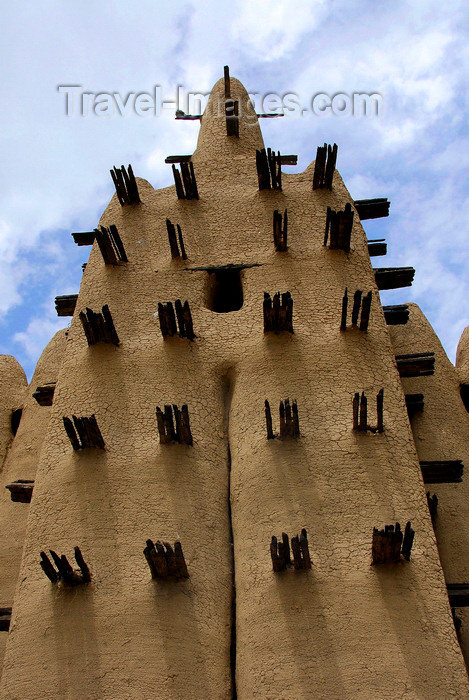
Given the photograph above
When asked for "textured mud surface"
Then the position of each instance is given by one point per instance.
(343, 629)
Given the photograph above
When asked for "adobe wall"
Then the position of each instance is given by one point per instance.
(440, 433)
(21, 463)
(462, 357)
(13, 384)
(343, 629)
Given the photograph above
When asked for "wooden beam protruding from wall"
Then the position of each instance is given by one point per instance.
(339, 228)
(442, 471)
(173, 424)
(269, 169)
(416, 364)
(231, 107)
(82, 238)
(280, 230)
(324, 166)
(164, 561)
(414, 403)
(360, 413)
(64, 573)
(289, 423)
(99, 327)
(393, 277)
(110, 244)
(65, 304)
(126, 185)
(21, 490)
(377, 247)
(180, 322)
(285, 160)
(396, 315)
(44, 395)
(359, 302)
(388, 544)
(83, 432)
(372, 208)
(186, 185)
(226, 76)
(278, 313)
(176, 242)
(180, 114)
(458, 594)
(281, 556)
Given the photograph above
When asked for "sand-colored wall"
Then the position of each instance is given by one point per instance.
(441, 432)
(13, 384)
(462, 357)
(344, 629)
(21, 463)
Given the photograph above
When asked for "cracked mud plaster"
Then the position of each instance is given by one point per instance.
(343, 629)
(21, 462)
(440, 433)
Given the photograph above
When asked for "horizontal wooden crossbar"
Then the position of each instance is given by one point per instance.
(180, 115)
(284, 160)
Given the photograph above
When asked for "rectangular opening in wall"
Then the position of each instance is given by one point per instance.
(224, 290)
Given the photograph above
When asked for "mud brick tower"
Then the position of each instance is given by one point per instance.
(245, 475)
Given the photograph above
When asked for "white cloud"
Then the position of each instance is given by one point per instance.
(269, 29)
(55, 170)
(39, 331)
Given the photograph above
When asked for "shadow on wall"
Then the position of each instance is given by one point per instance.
(405, 602)
(312, 628)
(16, 419)
(76, 643)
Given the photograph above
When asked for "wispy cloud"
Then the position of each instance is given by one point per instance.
(33, 340)
(269, 30)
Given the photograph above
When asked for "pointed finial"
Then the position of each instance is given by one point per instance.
(227, 82)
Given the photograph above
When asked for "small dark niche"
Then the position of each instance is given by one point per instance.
(224, 290)
(16, 419)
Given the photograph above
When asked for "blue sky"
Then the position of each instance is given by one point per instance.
(55, 177)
